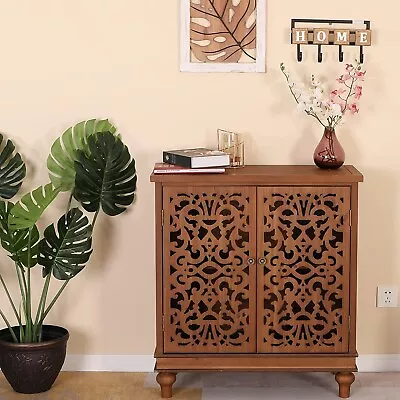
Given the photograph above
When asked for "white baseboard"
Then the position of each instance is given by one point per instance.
(120, 363)
(145, 363)
(379, 363)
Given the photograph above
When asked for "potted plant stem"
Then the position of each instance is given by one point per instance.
(91, 162)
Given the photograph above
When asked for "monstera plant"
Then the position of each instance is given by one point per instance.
(90, 161)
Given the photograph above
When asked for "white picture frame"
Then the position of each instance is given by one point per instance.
(186, 65)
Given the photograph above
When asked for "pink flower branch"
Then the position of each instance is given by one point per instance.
(329, 111)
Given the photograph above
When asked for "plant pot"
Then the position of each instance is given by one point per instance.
(33, 367)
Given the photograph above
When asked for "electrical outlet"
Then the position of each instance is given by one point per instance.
(387, 296)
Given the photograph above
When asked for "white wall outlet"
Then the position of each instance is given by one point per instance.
(387, 296)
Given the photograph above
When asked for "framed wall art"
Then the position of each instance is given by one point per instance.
(223, 35)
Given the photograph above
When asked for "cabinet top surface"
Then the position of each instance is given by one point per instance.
(267, 174)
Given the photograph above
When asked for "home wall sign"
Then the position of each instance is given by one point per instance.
(330, 35)
(223, 35)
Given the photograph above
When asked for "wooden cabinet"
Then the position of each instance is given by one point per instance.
(256, 271)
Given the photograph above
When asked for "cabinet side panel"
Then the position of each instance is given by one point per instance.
(209, 285)
(353, 267)
(303, 282)
(159, 256)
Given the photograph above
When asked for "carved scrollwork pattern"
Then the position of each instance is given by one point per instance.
(209, 287)
(305, 241)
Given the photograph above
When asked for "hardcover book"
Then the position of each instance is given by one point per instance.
(163, 168)
(196, 158)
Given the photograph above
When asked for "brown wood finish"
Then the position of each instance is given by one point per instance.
(335, 36)
(159, 267)
(303, 252)
(338, 39)
(345, 380)
(302, 33)
(166, 380)
(194, 208)
(267, 175)
(297, 362)
(324, 38)
(362, 35)
(255, 355)
(353, 268)
(209, 272)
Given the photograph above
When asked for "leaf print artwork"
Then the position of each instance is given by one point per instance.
(223, 31)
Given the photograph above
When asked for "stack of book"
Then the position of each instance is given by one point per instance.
(198, 160)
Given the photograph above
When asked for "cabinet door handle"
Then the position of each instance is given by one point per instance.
(262, 261)
(251, 261)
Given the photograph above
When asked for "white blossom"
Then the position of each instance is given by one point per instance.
(301, 107)
(319, 93)
(336, 109)
(328, 106)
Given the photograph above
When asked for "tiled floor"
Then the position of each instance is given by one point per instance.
(212, 386)
(285, 386)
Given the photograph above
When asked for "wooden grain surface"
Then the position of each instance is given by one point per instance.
(303, 280)
(267, 175)
(334, 192)
(272, 363)
(209, 286)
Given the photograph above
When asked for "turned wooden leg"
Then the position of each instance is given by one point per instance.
(166, 380)
(344, 379)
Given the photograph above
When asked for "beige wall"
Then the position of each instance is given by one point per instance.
(63, 61)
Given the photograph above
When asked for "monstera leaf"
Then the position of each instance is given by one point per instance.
(223, 31)
(17, 242)
(12, 169)
(65, 253)
(60, 162)
(28, 210)
(107, 177)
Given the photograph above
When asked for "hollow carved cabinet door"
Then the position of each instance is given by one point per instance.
(209, 272)
(304, 251)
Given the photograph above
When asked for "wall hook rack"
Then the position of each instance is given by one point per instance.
(299, 54)
(340, 53)
(330, 36)
(319, 53)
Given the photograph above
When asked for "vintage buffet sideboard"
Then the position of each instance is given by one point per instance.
(257, 271)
